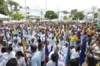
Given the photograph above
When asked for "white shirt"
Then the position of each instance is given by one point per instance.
(21, 61)
(74, 54)
(43, 54)
(60, 57)
(36, 59)
(51, 63)
(18, 48)
(19, 39)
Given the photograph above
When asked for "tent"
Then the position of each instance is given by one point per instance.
(4, 17)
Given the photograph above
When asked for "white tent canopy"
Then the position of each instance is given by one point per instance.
(4, 17)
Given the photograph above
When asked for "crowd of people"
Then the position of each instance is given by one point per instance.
(49, 44)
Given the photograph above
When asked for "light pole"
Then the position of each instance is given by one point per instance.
(25, 10)
(45, 5)
(93, 8)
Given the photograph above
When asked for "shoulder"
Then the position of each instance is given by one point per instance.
(84, 64)
(61, 64)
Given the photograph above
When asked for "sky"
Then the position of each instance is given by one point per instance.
(59, 5)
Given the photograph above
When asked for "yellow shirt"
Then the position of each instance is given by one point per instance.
(73, 38)
(56, 33)
(89, 31)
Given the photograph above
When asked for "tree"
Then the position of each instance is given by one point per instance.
(17, 16)
(14, 6)
(74, 11)
(51, 15)
(2, 7)
(95, 15)
(65, 18)
(79, 15)
(65, 12)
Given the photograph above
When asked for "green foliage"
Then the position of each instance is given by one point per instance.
(13, 6)
(51, 15)
(65, 18)
(74, 11)
(95, 15)
(79, 15)
(65, 12)
(70, 16)
(28, 17)
(17, 16)
(2, 7)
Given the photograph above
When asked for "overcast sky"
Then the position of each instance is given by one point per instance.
(58, 5)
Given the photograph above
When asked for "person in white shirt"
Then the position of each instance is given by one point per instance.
(36, 56)
(3, 56)
(42, 50)
(56, 50)
(52, 62)
(11, 62)
(20, 59)
(10, 53)
(18, 47)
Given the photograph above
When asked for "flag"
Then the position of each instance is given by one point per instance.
(27, 30)
(46, 49)
(46, 32)
(5, 33)
(60, 28)
(67, 56)
(56, 60)
(46, 53)
(83, 49)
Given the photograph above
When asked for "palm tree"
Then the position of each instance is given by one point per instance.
(13, 6)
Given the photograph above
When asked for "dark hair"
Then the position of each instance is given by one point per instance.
(39, 41)
(73, 62)
(12, 62)
(19, 53)
(3, 49)
(33, 48)
(9, 48)
(91, 61)
(39, 46)
(32, 40)
(54, 56)
(77, 48)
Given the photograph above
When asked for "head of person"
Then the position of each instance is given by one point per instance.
(15, 41)
(56, 50)
(54, 57)
(33, 48)
(40, 46)
(19, 54)
(78, 49)
(20, 44)
(32, 40)
(3, 49)
(12, 62)
(9, 49)
(73, 62)
(91, 61)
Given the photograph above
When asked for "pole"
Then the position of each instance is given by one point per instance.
(25, 10)
(93, 13)
(46, 5)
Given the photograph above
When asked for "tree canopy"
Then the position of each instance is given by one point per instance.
(95, 15)
(51, 15)
(79, 15)
(74, 11)
(2, 7)
(17, 16)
